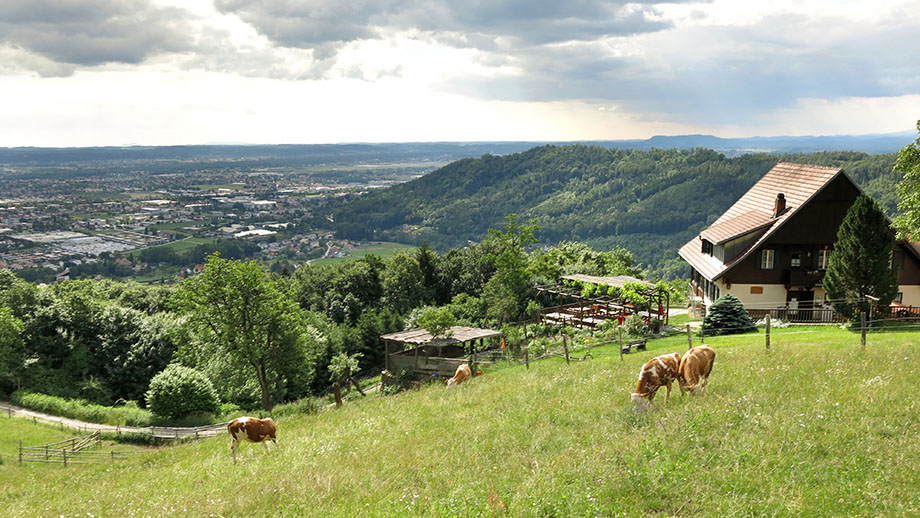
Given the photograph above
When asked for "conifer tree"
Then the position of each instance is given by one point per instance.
(727, 316)
(859, 274)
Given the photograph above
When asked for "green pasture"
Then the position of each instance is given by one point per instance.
(817, 426)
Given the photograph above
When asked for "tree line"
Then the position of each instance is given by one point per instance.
(260, 337)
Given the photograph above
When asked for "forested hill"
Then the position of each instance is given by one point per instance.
(648, 201)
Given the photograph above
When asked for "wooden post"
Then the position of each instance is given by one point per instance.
(64, 455)
(386, 358)
(768, 331)
(862, 324)
(621, 342)
(667, 314)
(565, 348)
(527, 357)
(689, 338)
(337, 392)
(20, 451)
(357, 386)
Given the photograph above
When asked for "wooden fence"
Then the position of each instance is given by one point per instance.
(810, 315)
(71, 451)
(828, 315)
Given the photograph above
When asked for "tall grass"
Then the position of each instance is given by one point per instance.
(816, 427)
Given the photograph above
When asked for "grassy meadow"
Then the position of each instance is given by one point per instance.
(382, 249)
(816, 427)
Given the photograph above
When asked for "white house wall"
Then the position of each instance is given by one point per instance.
(911, 295)
(773, 296)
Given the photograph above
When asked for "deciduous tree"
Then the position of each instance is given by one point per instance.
(908, 163)
(236, 307)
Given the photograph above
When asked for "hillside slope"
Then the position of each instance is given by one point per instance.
(650, 202)
(817, 427)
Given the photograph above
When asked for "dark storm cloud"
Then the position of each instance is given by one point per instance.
(94, 32)
(306, 24)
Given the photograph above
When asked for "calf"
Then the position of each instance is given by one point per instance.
(661, 370)
(252, 430)
(695, 367)
(463, 373)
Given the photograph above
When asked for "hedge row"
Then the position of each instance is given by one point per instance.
(127, 415)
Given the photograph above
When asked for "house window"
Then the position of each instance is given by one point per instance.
(756, 290)
(795, 260)
(900, 298)
(766, 259)
(707, 247)
(823, 259)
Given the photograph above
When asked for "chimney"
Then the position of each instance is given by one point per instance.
(780, 206)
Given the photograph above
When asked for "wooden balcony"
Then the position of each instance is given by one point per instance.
(803, 278)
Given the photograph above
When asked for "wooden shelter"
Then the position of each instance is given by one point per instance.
(425, 355)
(575, 309)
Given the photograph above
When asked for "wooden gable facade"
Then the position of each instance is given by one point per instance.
(771, 248)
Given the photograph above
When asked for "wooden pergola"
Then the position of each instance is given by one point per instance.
(576, 310)
(426, 355)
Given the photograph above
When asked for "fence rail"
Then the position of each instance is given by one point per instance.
(827, 315)
(71, 451)
(159, 432)
(808, 315)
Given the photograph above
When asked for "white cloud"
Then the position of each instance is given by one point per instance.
(184, 71)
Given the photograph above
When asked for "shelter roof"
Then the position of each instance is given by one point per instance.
(619, 280)
(459, 334)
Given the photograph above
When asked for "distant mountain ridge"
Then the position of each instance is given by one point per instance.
(648, 201)
(349, 153)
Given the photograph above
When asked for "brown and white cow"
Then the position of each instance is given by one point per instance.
(695, 367)
(253, 430)
(661, 370)
(462, 374)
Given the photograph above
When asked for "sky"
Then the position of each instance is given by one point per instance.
(167, 72)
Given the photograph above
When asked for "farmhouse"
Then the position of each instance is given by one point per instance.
(771, 248)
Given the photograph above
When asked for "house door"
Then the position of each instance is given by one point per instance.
(800, 304)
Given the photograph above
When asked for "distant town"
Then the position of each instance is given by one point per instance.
(140, 225)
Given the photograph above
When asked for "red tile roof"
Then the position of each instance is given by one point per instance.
(797, 182)
(738, 226)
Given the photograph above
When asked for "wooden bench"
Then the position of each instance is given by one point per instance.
(638, 345)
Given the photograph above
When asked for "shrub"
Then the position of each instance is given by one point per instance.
(178, 392)
(230, 409)
(304, 406)
(727, 316)
(635, 326)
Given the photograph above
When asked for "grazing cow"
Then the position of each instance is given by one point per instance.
(695, 367)
(661, 370)
(252, 430)
(463, 373)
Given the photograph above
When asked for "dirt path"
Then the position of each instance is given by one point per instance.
(156, 431)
